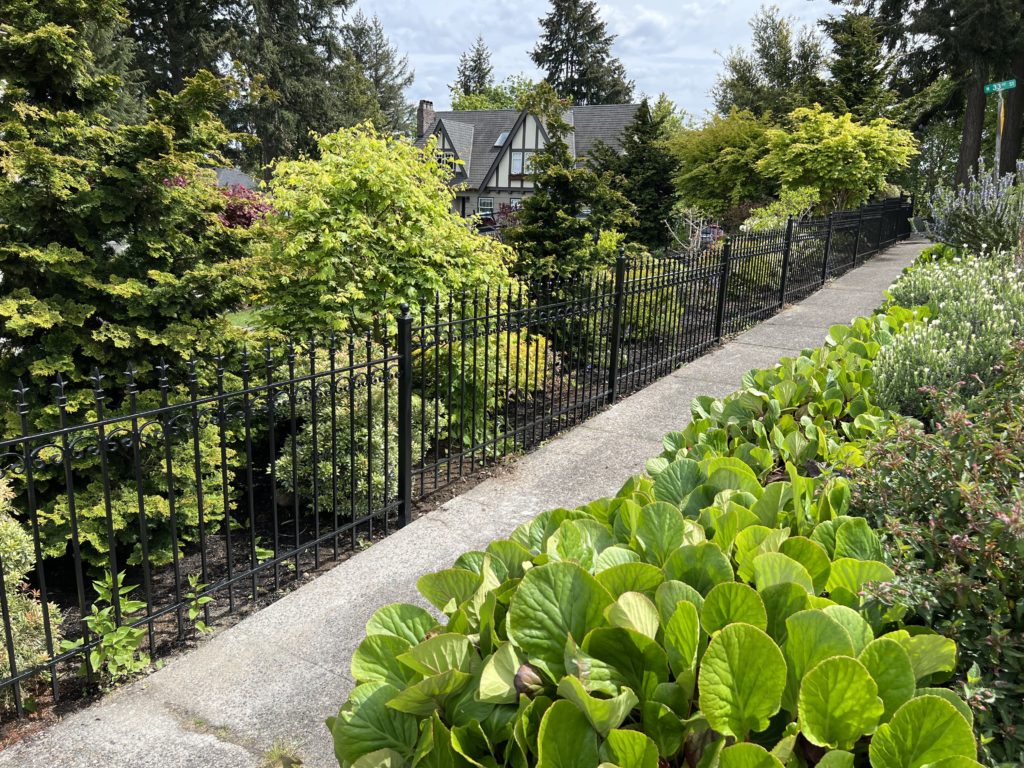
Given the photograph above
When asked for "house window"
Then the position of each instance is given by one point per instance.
(485, 206)
(446, 157)
(521, 162)
(501, 138)
(515, 203)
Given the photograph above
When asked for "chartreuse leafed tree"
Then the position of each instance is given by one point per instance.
(648, 169)
(383, 66)
(362, 228)
(783, 70)
(575, 53)
(845, 161)
(475, 74)
(511, 93)
(112, 254)
(560, 226)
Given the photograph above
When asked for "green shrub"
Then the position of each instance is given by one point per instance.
(983, 217)
(668, 622)
(798, 203)
(976, 308)
(951, 501)
(26, 611)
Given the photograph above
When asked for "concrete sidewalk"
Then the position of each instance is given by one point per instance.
(275, 676)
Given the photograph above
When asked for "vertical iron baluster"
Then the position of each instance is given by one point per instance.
(476, 382)
(268, 365)
(193, 393)
(314, 422)
(352, 483)
(33, 514)
(222, 426)
(616, 337)
(828, 249)
(462, 385)
(405, 417)
(332, 354)
(12, 661)
(98, 396)
(723, 283)
(147, 581)
(250, 480)
(369, 439)
(293, 440)
(486, 377)
(166, 422)
(449, 381)
(508, 370)
(495, 418)
(386, 417)
(435, 336)
(519, 337)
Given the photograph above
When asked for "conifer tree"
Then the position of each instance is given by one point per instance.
(386, 70)
(857, 65)
(475, 74)
(174, 39)
(575, 53)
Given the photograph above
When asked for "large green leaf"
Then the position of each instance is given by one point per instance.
(701, 566)
(602, 714)
(772, 568)
(944, 693)
(376, 661)
(838, 703)
(595, 674)
(670, 593)
(923, 731)
(855, 624)
(382, 758)
(812, 556)
(641, 662)
(664, 727)
(579, 541)
(747, 756)
(441, 653)
(634, 611)
(811, 637)
(727, 473)
(448, 589)
(836, 758)
(752, 541)
(659, 532)
(677, 480)
(511, 555)
(631, 577)
(614, 556)
(780, 602)
(933, 657)
(409, 622)
(497, 679)
(741, 681)
(851, 574)
(566, 739)
(629, 749)
(732, 602)
(555, 602)
(434, 749)
(889, 665)
(366, 724)
(682, 638)
(430, 693)
(856, 539)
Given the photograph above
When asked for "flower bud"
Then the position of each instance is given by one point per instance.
(528, 681)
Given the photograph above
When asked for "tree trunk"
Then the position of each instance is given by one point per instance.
(974, 121)
(1014, 125)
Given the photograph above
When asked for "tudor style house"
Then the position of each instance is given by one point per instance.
(491, 149)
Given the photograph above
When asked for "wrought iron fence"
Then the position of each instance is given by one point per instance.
(214, 486)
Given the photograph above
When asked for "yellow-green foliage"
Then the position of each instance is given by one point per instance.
(362, 228)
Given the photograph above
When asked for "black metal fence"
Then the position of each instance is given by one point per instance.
(219, 484)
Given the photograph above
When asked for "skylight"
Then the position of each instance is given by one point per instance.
(501, 139)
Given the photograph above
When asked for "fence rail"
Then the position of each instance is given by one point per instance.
(228, 480)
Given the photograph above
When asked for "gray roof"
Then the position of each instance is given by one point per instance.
(230, 177)
(591, 123)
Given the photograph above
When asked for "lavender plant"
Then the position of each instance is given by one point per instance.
(984, 216)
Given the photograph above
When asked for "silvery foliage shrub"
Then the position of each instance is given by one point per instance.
(983, 216)
(977, 309)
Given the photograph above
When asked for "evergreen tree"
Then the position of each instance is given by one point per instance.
(174, 39)
(648, 170)
(782, 71)
(301, 78)
(857, 65)
(560, 225)
(575, 53)
(475, 74)
(384, 67)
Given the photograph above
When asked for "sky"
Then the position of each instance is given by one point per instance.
(673, 46)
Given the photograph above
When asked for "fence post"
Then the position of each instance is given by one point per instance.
(722, 285)
(881, 229)
(828, 248)
(616, 340)
(787, 251)
(856, 238)
(404, 417)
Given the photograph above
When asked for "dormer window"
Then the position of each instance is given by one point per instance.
(520, 162)
(446, 157)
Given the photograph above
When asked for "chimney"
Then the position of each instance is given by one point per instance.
(424, 117)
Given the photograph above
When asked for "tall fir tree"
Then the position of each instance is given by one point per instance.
(575, 54)
(384, 67)
(648, 170)
(302, 79)
(174, 39)
(475, 74)
(858, 67)
(783, 69)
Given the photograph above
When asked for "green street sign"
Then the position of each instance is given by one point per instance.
(1003, 86)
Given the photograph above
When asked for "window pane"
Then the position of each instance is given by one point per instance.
(517, 163)
(485, 205)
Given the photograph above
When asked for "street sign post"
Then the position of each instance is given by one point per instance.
(998, 88)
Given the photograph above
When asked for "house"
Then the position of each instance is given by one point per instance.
(490, 149)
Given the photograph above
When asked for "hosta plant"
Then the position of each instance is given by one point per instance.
(699, 617)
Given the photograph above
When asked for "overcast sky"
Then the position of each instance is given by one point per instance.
(666, 45)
